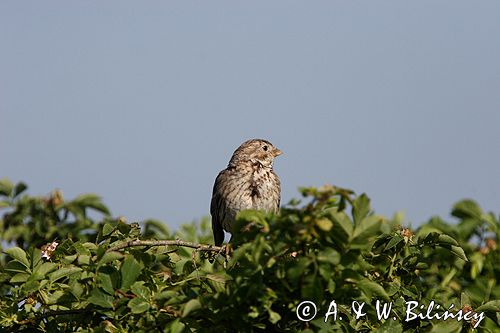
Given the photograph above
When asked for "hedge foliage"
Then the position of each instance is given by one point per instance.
(58, 271)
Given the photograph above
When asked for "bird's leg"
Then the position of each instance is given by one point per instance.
(228, 249)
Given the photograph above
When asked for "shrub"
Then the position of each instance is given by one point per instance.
(101, 274)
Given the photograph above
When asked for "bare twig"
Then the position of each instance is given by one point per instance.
(177, 242)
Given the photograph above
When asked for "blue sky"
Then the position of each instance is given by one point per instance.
(144, 103)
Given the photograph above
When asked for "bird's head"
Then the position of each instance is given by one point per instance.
(255, 151)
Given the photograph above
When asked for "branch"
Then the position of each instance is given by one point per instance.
(177, 242)
(33, 321)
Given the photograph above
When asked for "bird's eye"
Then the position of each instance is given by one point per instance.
(265, 148)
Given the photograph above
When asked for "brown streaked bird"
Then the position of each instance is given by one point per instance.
(248, 182)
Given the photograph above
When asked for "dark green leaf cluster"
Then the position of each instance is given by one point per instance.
(328, 246)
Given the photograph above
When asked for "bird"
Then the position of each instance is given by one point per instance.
(248, 182)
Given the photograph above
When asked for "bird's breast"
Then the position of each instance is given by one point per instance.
(248, 188)
(258, 189)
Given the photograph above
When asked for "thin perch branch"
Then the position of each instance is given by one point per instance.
(177, 242)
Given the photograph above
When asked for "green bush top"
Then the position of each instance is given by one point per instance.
(326, 259)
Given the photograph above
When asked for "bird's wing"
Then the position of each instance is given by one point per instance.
(217, 211)
(278, 185)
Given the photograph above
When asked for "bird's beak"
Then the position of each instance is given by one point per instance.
(277, 152)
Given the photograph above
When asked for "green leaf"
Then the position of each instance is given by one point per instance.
(330, 256)
(217, 281)
(449, 326)
(54, 297)
(390, 326)
(394, 241)
(107, 229)
(20, 277)
(20, 188)
(90, 246)
(63, 272)
(446, 242)
(219, 277)
(448, 277)
(477, 264)
(138, 305)
(191, 305)
(445, 239)
(45, 268)
(274, 317)
(492, 222)
(81, 249)
(372, 288)
(31, 286)
(464, 299)
(381, 242)
(295, 272)
(360, 208)
(312, 288)
(18, 254)
(342, 226)
(130, 270)
(6, 187)
(16, 266)
(491, 306)
(176, 326)
(83, 260)
(91, 201)
(467, 209)
(367, 228)
(167, 294)
(140, 290)
(324, 224)
(76, 288)
(421, 266)
(467, 227)
(109, 257)
(394, 286)
(459, 252)
(250, 215)
(69, 259)
(105, 282)
(426, 232)
(156, 228)
(99, 298)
